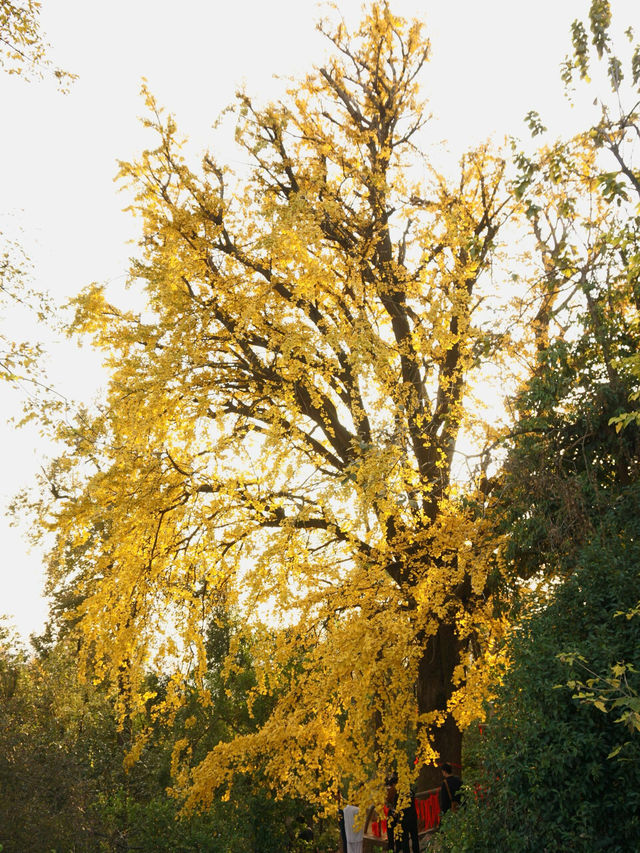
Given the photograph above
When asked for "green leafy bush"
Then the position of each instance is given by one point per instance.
(553, 772)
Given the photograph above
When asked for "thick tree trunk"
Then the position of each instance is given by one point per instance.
(434, 689)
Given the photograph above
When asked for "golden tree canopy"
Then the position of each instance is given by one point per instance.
(280, 427)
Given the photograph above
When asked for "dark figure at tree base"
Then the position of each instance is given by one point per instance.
(402, 826)
(449, 790)
(410, 827)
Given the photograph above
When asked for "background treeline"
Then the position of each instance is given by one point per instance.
(63, 783)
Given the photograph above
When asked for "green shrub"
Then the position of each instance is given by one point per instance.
(542, 777)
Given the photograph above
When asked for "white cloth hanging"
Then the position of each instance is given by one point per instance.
(354, 837)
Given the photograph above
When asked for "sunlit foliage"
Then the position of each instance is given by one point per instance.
(23, 50)
(281, 424)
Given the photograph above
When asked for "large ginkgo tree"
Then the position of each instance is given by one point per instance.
(280, 429)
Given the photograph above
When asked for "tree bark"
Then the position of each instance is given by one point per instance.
(434, 689)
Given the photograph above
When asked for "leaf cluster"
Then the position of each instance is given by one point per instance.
(23, 50)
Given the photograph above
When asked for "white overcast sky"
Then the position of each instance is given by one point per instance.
(492, 62)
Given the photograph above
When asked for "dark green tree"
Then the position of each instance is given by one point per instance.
(552, 772)
(58, 746)
(558, 765)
